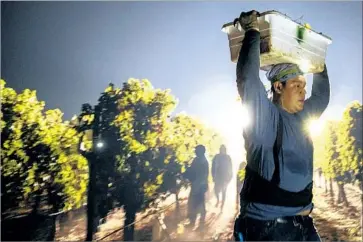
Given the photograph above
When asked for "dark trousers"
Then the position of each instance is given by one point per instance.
(196, 204)
(221, 188)
(295, 228)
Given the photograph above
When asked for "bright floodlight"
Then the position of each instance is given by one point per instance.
(99, 144)
(245, 119)
(316, 127)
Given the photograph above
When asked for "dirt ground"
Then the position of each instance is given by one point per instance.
(334, 222)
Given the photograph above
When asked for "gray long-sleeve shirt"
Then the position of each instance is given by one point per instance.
(296, 158)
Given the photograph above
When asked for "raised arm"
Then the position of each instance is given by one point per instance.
(320, 95)
(253, 93)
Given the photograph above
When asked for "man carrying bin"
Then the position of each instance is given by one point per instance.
(276, 197)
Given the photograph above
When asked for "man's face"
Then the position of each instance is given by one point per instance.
(293, 94)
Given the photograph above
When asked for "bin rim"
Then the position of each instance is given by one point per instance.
(283, 15)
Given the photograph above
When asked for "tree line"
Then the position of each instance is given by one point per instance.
(129, 150)
(338, 151)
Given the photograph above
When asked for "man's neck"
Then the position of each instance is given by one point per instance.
(280, 104)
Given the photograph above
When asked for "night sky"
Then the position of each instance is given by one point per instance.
(70, 51)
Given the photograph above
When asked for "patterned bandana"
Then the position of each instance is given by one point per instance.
(283, 72)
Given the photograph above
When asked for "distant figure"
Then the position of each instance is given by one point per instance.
(320, 173)
(197, 174)
(239, 182)
(222, 173)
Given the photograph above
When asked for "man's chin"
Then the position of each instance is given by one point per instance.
(300, 107)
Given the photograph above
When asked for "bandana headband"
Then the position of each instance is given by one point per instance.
(283, 72)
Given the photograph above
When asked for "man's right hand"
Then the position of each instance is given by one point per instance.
(248, 20)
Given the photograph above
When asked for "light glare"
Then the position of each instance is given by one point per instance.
(305, 65)
(316, 127)
(100, 144)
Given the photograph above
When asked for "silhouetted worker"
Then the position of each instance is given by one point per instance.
(276, 197)
(221, 173)
(239, 181)
(197, 174)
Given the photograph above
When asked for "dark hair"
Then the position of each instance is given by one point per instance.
(200, 149)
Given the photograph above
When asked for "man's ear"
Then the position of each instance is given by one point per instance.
(278, 87)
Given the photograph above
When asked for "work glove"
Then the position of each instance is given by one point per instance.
(248, 20)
